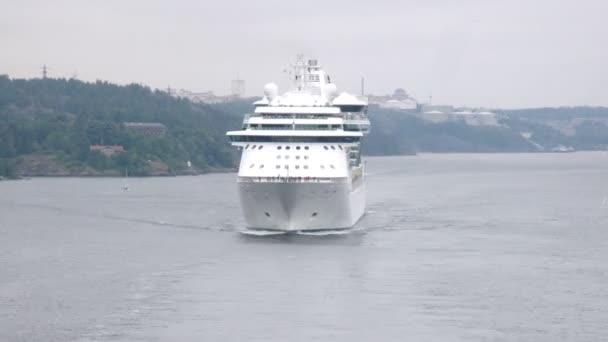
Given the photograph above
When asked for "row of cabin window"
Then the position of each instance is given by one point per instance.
(304, 166)
(343, 108)
(294, 127)
(287, 157)
(254, 147)
(286, 139)
(287, 166)
(288, 147)
(306, 147)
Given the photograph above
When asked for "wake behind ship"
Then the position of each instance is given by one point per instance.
(301, 166)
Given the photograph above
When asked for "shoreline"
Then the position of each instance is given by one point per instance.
(235, 170)
(85, 175)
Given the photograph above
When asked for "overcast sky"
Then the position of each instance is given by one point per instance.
(515, 53)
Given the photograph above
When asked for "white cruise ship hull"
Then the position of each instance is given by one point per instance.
(292, 207)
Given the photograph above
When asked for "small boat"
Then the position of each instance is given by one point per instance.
(125, 186)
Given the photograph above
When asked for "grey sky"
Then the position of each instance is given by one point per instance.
(512, 53)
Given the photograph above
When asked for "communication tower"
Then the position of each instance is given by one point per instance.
(237, 87)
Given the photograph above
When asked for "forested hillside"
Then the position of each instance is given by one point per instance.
(48, 125)
(522, 130)
(56, 120)
(394, 133)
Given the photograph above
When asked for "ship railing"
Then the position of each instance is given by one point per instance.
(306, 180)
(292, 116)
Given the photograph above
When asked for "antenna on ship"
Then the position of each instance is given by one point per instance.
(44, 71)
(362, 86)
(299, 72)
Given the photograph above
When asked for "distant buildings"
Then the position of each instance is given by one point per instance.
(150, 129)
(107, 150)
(399, 100)
(200, 97)
(237, 88)
(443, 113)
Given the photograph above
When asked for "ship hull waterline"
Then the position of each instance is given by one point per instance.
(301, 207)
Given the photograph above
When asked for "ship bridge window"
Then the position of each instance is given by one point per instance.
(352, 108)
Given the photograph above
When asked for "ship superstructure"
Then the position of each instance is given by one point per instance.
(301, 167)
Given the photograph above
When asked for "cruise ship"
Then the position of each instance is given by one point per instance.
(301, 167)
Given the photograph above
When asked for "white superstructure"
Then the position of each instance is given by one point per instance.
(301, 166)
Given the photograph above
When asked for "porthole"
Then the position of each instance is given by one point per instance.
(246, 147)
(297, 157)
(333, 147)
(279, 147)
(251, 166)
(325, 147)
(340, 146)
(286, 167)
(262, 166)
(323, 167)
(253, 147)
(297, 147)
(287, 147)
(267, 214)
(314, 214)
(297, 166)
(279, 156)
(286, 157)
(306, 167)
(332, 166)
(278, 166)
(261, 146)
(306, 147)
(305, 157)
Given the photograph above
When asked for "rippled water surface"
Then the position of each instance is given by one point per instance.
(453, 248)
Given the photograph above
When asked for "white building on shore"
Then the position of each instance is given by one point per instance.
(399, 100)
(444, 113)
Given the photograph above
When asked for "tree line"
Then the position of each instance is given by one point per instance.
(64, 117)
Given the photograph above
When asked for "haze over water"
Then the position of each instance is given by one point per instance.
(498, 247)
